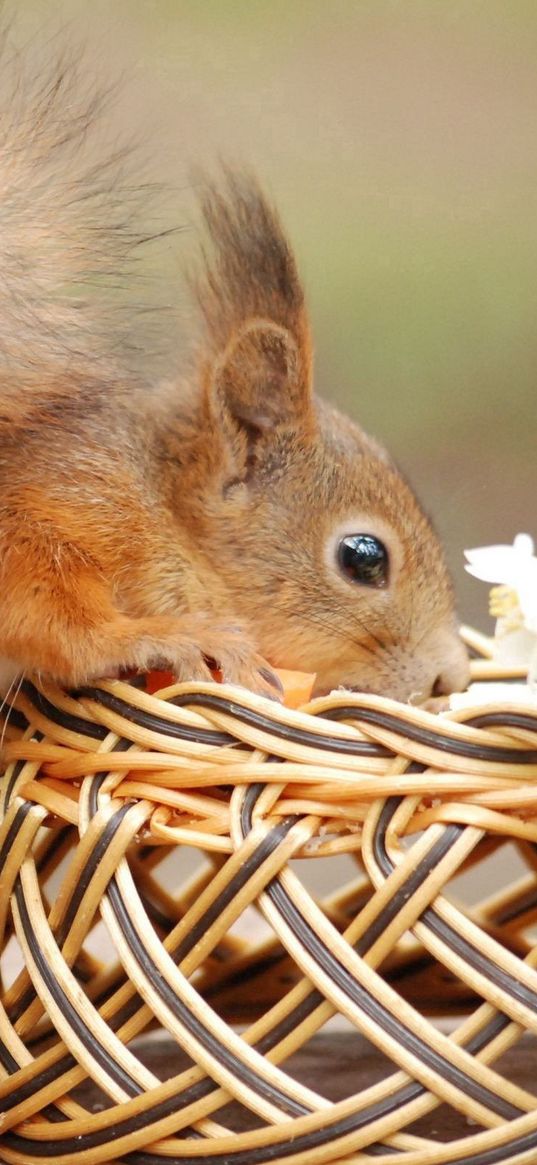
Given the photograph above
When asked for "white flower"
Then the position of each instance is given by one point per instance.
(516, 567)
(493, 693)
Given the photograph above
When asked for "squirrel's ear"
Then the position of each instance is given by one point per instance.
(261, 379)
(256, 345)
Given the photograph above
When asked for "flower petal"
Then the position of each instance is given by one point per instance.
(523, 544)
(497, 564)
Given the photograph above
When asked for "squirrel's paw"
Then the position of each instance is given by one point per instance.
(211, 648)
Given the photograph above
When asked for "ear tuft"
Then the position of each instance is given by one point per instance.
(256, 347)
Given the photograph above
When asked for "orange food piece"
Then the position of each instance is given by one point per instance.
(155, 680)
(297, 685)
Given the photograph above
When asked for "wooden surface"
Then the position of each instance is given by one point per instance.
(337, 1065)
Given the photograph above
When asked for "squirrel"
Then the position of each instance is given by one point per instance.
(227, 518)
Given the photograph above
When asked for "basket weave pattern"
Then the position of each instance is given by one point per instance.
(100, 788)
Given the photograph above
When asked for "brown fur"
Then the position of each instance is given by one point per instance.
(187, 524)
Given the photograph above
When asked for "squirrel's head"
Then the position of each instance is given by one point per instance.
(312, 529)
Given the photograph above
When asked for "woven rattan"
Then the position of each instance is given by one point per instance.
(101, 787)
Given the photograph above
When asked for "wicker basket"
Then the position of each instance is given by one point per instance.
(99, 789)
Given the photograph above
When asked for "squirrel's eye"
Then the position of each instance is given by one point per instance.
(363, 559)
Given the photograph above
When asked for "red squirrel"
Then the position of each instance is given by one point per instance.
(232, 519)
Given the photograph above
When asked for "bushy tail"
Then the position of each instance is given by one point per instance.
(70, 229)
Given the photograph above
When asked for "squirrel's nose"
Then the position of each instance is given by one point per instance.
(454, 676)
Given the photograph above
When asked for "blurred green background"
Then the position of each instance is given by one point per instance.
(400, 143)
